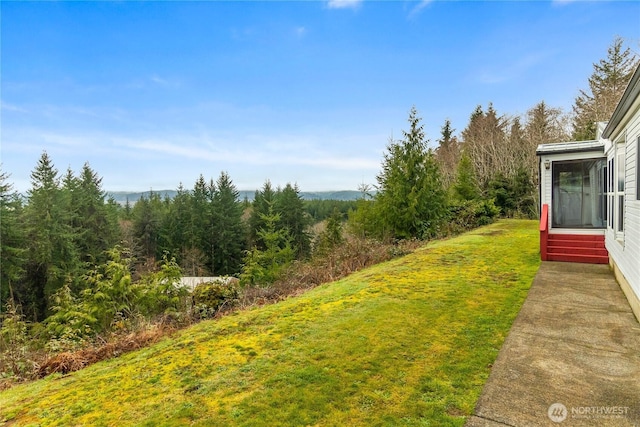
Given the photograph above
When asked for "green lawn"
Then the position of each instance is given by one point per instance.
(407, 342)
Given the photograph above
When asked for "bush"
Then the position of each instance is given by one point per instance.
(211, 297)
(16, 362)
(470, 214)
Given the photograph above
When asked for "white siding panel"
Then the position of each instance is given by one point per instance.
(627, 254)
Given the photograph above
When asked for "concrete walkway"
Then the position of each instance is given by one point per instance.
(574, 345)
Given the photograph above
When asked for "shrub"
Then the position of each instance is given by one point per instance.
(211, 297)
(16, 362)
(70, 326)
(470, 214)
(160, 292)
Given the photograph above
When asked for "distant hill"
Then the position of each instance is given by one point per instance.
(121, 197)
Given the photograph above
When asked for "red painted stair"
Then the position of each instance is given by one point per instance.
(577, 248)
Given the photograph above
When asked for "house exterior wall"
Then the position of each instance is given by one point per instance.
(546, 186)
(624, 248)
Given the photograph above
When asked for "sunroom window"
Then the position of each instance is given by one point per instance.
(579, 192)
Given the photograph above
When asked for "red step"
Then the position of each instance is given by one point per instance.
(587, 259)
(588, 237)
(577, 248)
(576, 243)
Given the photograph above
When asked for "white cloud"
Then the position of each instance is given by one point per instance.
(12, 108)
(344, 4)
(419, 7)
(300, 31)
(159, 80)
(500, 73)
(268, 154)
(563, 2)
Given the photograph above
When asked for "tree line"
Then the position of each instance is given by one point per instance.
(65, 226)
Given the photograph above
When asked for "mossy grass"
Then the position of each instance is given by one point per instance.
(406, 342)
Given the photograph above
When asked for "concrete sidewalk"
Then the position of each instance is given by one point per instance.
(574, 345)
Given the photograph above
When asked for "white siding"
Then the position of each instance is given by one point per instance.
(626, 253)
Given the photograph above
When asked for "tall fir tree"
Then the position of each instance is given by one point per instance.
(148, 218)
(177, 224)
(262, 205)
(229, 236)
(411, 200)
(606, 85)
(94, 221)
(448, 153)
(294, 219)
(466, 186)
(52, 259)
(12, 253)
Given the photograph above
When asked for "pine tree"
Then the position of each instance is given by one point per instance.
(199, 232)
(177, 223)
(466, 185)
(52, 256)
(293, 218)
(606, 85)
(411, 201)
(448, 153)
(12, 253)
(262, 203)
(94, 221)
(229, 235)
(148, 217)
(263, 267)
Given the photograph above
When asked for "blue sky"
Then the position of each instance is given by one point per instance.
(152, 94)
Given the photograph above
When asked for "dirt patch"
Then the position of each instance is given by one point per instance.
(492, 233)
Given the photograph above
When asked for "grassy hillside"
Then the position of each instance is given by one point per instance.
(407, 342)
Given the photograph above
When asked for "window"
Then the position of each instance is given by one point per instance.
(578, 196)
(611, 196)
(605, 197)
(620, 187)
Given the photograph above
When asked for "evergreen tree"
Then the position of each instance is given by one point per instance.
(94, 221)
(229, 235)
(148, 217)
(12, 253)
(52, 256)
(263, 267)
(466, 185)
(448, 153)
(411, 201)
(177, 224)
(199, 232)
(293, 218)
(606, 85)
(332, 236)
(261, 206)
